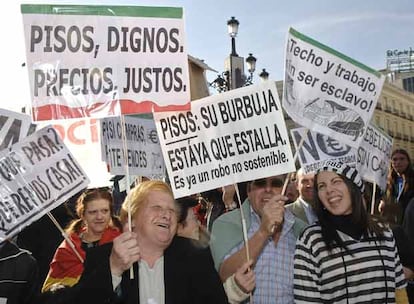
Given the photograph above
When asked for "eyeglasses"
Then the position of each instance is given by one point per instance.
(263, 182)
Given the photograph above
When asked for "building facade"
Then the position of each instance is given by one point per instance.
(395, 111)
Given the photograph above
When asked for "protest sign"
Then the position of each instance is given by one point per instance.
(36, 175)
(144, 156)
(13, 127)
(328, 92)
(317, 148)
(236, 136)
(89, 61)
(373, 156)
(81, 137)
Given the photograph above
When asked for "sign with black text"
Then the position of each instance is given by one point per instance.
(99, 61)
(374, 156)
(13, 127)
(328, 92)
(236, 136)
(81, 137)
(318, 148)
(143, 151)
(36, 175)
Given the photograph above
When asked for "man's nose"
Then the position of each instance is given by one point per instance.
(268, 187)
(165, 213)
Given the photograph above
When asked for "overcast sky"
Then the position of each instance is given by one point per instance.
(363, 30)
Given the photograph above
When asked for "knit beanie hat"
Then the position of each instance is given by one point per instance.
(343, 169)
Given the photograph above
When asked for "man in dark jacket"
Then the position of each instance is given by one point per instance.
(166, 269)
(18, 274)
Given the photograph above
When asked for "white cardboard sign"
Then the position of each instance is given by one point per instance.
(236, 136)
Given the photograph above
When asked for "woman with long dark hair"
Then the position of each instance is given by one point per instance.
(347, 256)
(400, 186)
(95, 226)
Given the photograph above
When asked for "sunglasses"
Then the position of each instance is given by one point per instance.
(96, 190)
(263, 182)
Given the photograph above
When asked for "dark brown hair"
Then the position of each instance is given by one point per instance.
(408, 174)
(360, 216)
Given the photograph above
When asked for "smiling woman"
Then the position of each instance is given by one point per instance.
(346, 257)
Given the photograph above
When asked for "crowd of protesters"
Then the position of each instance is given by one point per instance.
(318, 244)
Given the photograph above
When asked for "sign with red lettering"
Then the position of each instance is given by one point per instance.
(81, 136)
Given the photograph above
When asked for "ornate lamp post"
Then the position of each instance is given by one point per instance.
(233, 77)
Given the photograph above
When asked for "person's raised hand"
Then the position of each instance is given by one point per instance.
(381, 206)
(228, 196)
(125, 252)
(272, 214)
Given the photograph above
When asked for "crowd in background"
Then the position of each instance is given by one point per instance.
(317, 242)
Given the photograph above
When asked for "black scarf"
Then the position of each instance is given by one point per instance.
(345, 224)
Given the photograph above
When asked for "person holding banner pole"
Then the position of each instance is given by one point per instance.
(96, 225)
(347, 256)
(167, 268)
(272, 231)
(239, 285)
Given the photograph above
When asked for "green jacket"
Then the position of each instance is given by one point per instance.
(297, 209)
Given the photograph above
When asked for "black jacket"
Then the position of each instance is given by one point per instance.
(189, 277)
(18, 274)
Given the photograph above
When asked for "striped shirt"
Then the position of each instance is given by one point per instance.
(370, 273)
(274, 267)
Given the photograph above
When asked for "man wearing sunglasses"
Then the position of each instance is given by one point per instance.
(272, 231)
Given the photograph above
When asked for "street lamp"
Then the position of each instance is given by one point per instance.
(264, 75)
(233, 77)
(233, 28)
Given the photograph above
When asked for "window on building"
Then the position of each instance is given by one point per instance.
(397, 107)
(404, 133)
(408, 84)
(378, 121)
